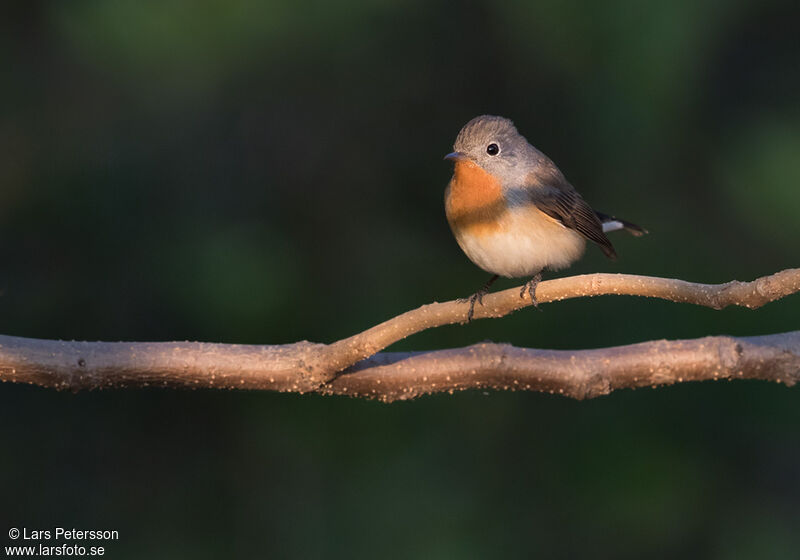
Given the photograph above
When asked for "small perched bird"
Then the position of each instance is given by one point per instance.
(512, 211)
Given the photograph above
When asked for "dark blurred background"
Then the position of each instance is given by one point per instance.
(265, 172)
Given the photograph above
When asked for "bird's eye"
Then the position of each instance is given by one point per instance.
(492, 149)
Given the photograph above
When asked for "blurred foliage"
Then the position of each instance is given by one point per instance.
(265, 172)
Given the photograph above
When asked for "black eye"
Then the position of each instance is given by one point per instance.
(492, 149)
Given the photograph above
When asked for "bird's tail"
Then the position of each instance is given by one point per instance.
(610, 223)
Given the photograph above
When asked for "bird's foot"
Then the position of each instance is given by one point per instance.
(477, 297)
(530, 287)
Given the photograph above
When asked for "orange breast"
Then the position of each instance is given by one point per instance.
(474, 200)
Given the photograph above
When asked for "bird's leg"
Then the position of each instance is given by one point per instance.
(530, 287)
(478, 296)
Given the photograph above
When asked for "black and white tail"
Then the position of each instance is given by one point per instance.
(610, 223)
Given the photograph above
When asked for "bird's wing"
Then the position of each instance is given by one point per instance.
(553, 195)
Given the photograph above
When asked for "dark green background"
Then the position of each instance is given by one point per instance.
(265, 172)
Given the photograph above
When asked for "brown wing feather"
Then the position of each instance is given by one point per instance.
(553, 195)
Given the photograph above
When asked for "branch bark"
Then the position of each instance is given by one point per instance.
(345, 367)
(580, 374)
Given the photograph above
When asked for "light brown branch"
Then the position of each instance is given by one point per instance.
(717, 296)
(579, 374)
(306, 366)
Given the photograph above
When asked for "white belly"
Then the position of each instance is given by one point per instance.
(526, 242)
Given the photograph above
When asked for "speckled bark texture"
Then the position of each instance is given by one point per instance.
(579, 374)
(353, 366)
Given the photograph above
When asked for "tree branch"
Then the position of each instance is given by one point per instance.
(580, 374)
(306, 366)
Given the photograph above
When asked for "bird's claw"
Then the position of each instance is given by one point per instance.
(530, 287)
(476, 297)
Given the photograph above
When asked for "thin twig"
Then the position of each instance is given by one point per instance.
(717, 296)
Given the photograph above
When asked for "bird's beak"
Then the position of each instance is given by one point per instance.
(456, 156)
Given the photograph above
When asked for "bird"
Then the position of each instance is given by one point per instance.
(513, 212)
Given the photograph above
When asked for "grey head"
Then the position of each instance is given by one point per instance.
(494, 144)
